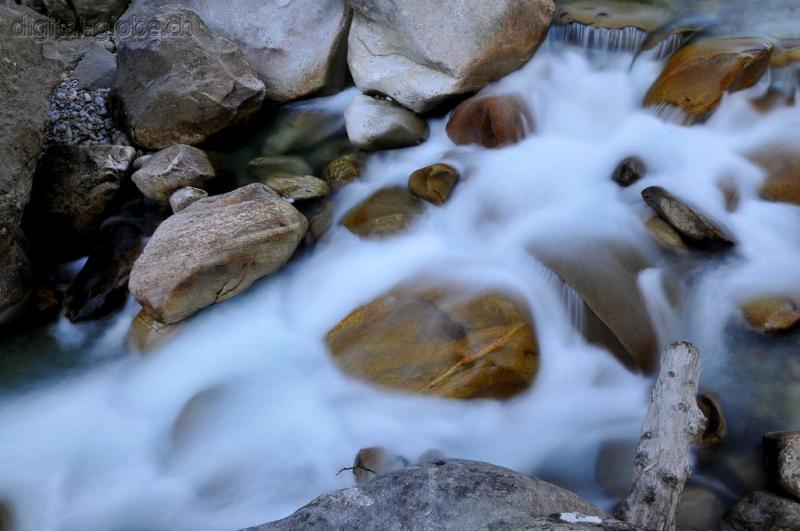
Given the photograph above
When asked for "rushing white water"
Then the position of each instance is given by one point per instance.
(244, 418)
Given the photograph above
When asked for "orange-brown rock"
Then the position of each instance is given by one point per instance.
(696, 77)
(434, 183)
(146, 333)
(388, 211)
(772, 315)
(446, 340)
(782, 166)
(491, 121)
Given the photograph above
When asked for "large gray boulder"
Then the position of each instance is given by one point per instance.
(445, 494)
(421, 52)
(296, 47)
(215, 249)
(180, 83)
(27, 80)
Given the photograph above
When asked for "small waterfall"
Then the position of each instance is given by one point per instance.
(610, 41)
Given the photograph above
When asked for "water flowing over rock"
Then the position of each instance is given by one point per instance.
(74, 188)
(685, 219)
(295, 47)
(629, 171)
(27, 79)
(385, 213)
(491, 121)
(171, 169)
(404, 49)
(760, 511)
(434, 183)
(772, 315)
(782, 460)
(380, 124)
(215, 249)
(604, 274)
(180, 83)
(782, 167)
(442, 339)
(698, 75)
(447, 494)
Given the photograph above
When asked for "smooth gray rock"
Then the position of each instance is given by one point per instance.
(27, 80)
(446, 494)
(171, 169)
(96, 70)
(421, 52)
(182, 198)
(379, 124)
(296, 47)
(762, 511)
(213, 250)
(180, 83)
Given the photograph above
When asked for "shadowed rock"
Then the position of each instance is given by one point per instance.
(434, 183)
(688, 221)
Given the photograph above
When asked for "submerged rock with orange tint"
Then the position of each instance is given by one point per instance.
(445, 340)
(696, 76)
(491, 121)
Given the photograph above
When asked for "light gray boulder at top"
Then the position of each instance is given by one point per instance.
(421, 52)
(213, 250)
(381, 124)
(445, 494)
(27, 79)
(296, 47)
(180, 83)
(171, 169)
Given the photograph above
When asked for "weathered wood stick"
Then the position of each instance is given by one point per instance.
(673, 424)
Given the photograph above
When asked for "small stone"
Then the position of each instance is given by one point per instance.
(434, 183)
(690, 223)
(379, 124)
(772, 315)
(665, 235)
(629, 171)
(343, 170)
(490, 121)
(782, 461)
(386, 212)
(183, 197)
(171, 169)
(297, 187)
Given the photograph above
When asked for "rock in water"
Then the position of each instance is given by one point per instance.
(296, 48)
(406, 49)
(446, 494)
(696, 76)
(183, 197)
(264, 167)
(782, 461)
(761, 511)
(375, 461)
(343, 170)
(772, 315)
(180, 83)
(444, 340)
(690, 223)
(665, 235)
(74, 188)
(173, 168)
(215, 249)
(434, 183)
(491, 121)
(782, 166)
(27, 79)
(298, 187)
(630, 170)
(381, 124)
(386, 212)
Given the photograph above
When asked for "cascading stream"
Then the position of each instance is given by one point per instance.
(244, 417)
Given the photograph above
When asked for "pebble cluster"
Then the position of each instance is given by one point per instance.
(81, 117)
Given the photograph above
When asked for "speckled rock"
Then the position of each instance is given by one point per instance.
(173, 168)
(434, 183)
(183, 197)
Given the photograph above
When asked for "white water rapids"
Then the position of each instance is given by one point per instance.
(271, 419)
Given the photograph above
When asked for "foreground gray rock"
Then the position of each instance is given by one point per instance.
(180, 83)
(688, 221)
(782, 460)
(405, 49)
(27, 80)
(760, 511)
(381, 124)
(446, 494)
(215, 249)
(75, 187)
(171, 169)
(296, 48)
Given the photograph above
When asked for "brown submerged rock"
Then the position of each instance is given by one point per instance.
(630, 170)
(665, 235)
(444, 340)
(716, 425)
(343, 170)
(146, 334)
(696, 76)
(782, 166)
(434, 183)
(297, 187)
(690, 223)
(384, 213)
(772, 315)
(215, 249)
(491, 121)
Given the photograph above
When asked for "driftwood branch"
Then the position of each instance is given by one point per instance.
(673, 424)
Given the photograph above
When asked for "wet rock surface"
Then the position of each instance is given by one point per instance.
(442, 340)
(772, 315)
(387, 212)
(688, 221)
(629, 171)
(490, 121)
(434, 183)
(213, 250)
